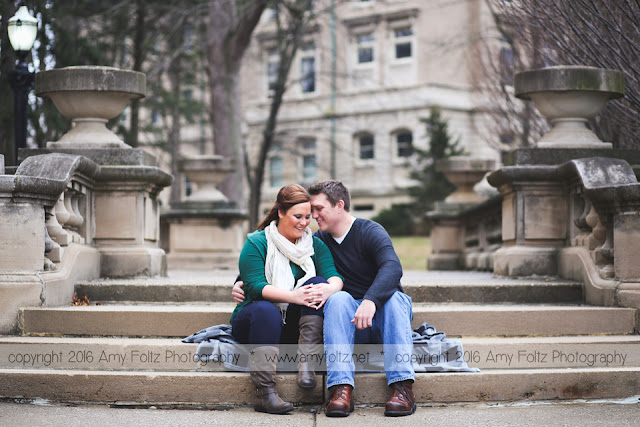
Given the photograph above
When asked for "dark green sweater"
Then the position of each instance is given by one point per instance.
(252, 261)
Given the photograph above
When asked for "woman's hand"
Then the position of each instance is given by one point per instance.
(237, 293)
(321, 292)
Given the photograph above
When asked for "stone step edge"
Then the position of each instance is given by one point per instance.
(490, 293)
(236, 389)
(460, 320)
(140, 354)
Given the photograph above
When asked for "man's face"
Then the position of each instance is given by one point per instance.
(326, 216)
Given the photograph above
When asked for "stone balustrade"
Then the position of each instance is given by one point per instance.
(47, 227)
(569, 207)
(85, 207)
(466, 239)
(463, 226)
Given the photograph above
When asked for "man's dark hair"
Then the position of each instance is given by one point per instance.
(334, 190)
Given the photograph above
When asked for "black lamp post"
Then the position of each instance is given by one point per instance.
(22, 29)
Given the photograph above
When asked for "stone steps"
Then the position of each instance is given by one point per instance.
(231, 388)
(433, 287)
(531, 338)
(454, 319)
(164, 354)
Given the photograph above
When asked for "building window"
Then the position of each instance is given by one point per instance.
(404, 142)
(273, 61)
(276, 172)
(308, 68)
(403, 42)
(154, 117)
(309, 160)
(366, 146)
(363, 208)
(365, 48)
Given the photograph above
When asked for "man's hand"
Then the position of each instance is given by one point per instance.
(364, 314)
(237, 293)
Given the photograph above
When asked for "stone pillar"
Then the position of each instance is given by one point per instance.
(126, 205)
(535, 204)
(534, 220)
(447, 233)
(205, 231)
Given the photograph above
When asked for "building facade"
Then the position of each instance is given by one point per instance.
(364, 78)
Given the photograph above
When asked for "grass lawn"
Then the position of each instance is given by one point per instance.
(412, 251)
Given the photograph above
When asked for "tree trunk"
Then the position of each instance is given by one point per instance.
(289, 40)
(175, 80)
(138, 59)
(231, 24)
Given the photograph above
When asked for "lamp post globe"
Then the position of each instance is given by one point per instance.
(22, 29)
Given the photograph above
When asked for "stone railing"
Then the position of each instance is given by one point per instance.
(85, 207)
(465, 226)
(466, 238)
(71, 218)
(47, 227)
(570, 206)
(604, 230)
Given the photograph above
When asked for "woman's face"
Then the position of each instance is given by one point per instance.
(293, 222)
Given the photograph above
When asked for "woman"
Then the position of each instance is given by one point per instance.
(283, 268)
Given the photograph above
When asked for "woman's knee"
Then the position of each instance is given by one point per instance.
(265, 313)
(315, 280)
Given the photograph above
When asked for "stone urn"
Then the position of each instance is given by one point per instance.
(569, 96)
(90, 96)
(464, 173)
(206, 172)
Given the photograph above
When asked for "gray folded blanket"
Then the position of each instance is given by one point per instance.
(432, 352)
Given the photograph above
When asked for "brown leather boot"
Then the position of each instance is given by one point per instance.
(402, 401)
(309, 349)
(262, 363)
(340, 401)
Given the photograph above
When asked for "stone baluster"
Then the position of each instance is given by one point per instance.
(581, 207)
(62, 236)
(603, 255)
(53, 229)
(598, 230)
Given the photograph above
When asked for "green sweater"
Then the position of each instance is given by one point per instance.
(252, 261)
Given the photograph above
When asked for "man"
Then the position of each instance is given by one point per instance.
(371, 308)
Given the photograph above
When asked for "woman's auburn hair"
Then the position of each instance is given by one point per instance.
(288, 196)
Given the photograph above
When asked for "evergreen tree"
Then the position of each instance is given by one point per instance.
(408, 219)
(433, 185)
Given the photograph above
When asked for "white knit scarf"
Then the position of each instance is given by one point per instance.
(279, 252)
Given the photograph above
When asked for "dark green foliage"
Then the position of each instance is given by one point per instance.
(409, 219)
(433, 185)
(92, 32)
(397, 220)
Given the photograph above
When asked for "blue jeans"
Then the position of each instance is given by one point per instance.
(391, 327)
(260, 322)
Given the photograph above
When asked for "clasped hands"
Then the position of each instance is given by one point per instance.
(315, 297)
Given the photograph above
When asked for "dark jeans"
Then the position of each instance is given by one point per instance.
(260, 322)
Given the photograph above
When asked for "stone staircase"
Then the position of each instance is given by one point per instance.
(531, 338)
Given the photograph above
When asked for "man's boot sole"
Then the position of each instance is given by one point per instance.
(281, 412)
(400, 413)
(337, 413)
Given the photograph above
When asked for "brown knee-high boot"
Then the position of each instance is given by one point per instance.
(309, 349)
(262, 363)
